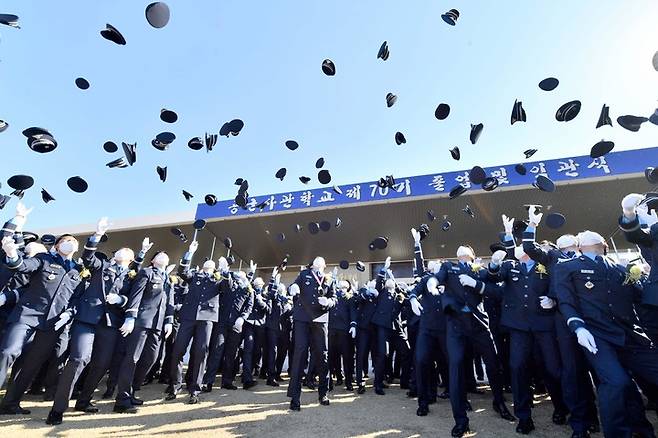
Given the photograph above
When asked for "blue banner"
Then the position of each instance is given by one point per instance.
(563, 169)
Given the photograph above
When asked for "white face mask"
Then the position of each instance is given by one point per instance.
(68, 247)
(160, 261)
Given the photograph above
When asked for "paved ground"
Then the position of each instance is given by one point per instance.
(263, 412)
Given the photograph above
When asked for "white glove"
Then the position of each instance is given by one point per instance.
(334, 274)
(373, 292)
(102, 226)
(21, 215)
(352, 332)
(508, 223)
(323, 301)
(64, 318)
(237, 327)
(294, 289)
(498, 257)
(10, 247)
(146, 245)
(127, 327)
(170, 268)
(433, 286)
(467, 280)
(193, 247)
(387, 263)
(168, 328)
(222, 265)
(277, 278)
(630, 202)
(252, 266)
(546, 302)
(3, 299)
(113, 299)
(533, 216)
(416, 235)
(416, 307)
(586, 340)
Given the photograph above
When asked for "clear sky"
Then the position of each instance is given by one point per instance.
(261, 62)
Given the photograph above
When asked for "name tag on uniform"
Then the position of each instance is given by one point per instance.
(586, 271)
(456, 269)
(589, 285)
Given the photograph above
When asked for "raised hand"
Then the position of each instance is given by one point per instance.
(146, 245)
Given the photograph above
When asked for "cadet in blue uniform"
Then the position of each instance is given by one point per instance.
(253, 330)
(198, 312)
(467, 322)
(279, 305)
(366, 301)
(528, 314)
(342, 331)
(149, 313)
(577, 387)
(597, 299)
(43, 310)
(311, 316)
(99, 314)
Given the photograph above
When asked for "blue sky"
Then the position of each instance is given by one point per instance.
(260, 61)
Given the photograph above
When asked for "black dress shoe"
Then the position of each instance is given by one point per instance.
(412, 394)
(294, 406)
(324, 401)
(422, 411)
(385, 386)
(6, 410)
(272, 382)
(123, 409)
(169, 396)
(36, 391)
(136, 401)
(108, 394)
(504, 413)
(361, 390)
(469, 407)
(311, 385)
(349, 387)
(444, 395)
(207, 387)
(584, 434)
(193, 400)
(230, 386)
(559, 418)
(460, 430)
(432, 400)
(54, 418)
(248, 385)
(339, 381)
(379, 391)
(525, 427)
(89, 408)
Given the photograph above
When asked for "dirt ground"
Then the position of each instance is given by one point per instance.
(263, 412)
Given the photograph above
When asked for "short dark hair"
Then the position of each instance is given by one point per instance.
(63, 236)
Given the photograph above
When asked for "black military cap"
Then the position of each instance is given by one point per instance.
(9, 20)
(168, 116)
(324, 176)
(521, 169)
(328, 67)
(4, 199)
(451, 16)
(187, 195)
(48, 239)
(555, 220)
(632, 123)
(238, 181)
(338, 222)
(211, 141)
(210, 200)
(518, 113)
(325, 226)
(319, 164)
(304, 179)
(228, 243)
(35, 130)
(292, 145)
(130, 150)
(490, 184)
(176, 231)
(244, 186)
(442, 111)
(42, 143)
(45, 196)
(383, 52)
(424, 231)
(344, 264)
(20, 182)
(518, 228)
(476, 131)
(241, 199)
(468, 211)
(456, 155)
(195, 143)
(29, 237)
(477, 175)
(3, 126)
(111, 33)
(82, 83)
(601, 148)
(399, 138)
(529, 153)
(199, 224)
(391, 99)
(457, 191)
(313, 227)
(77, 184)
(166, 137)
(159, 145)
(380, 242)
(162, 173)
(430, 215)
(119, 162)
(604, 117)
(157, 14)
(445, 226)
(568, 111)
(544, 183)
(651, 174)
(231, 128)
(360, 266)
(110, 147)
(281, 173)
(549, 84)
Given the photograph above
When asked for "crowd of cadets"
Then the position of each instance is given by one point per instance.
(559, 318)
